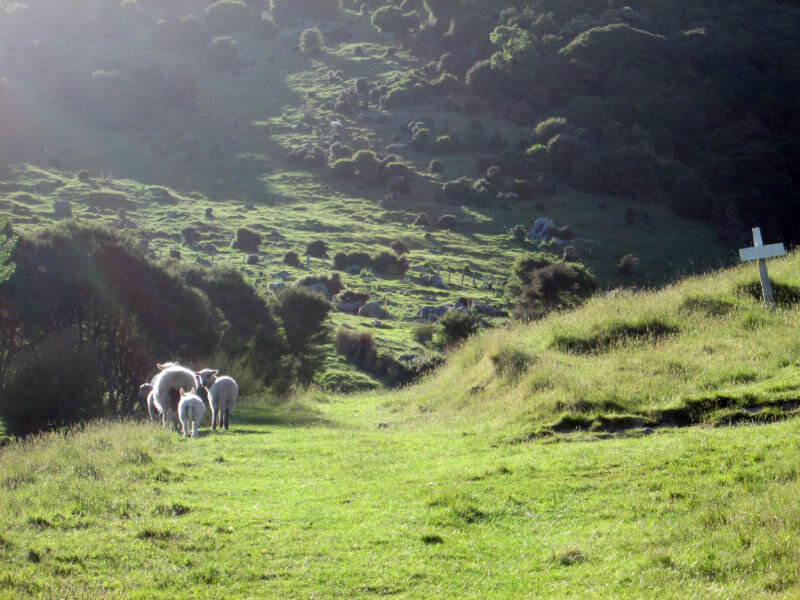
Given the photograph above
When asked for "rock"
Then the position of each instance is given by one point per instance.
(281, 275)
(540, 228)
(407, 357)
(435, 281)
(253, 259)
(373, 310)
(377, 323)
(350, 307)
(276, 286)
(320, 288)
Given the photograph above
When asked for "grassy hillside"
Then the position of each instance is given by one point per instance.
(702, 350)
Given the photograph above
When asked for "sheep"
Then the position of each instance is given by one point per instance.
(337, 127)
(166, 386)
(222, 395)
(191, 411)
(148, 398)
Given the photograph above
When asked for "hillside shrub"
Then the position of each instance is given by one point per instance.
(449, 222)
(518, 233)
(286, 11)
(266, 27)
(388, 263)
(446, 144)
(317, 249)
(191, 235)
(481, 79)
(456, 326)
(367, 165)
(223, 54)
(226, 16)
(436, 166)
(628, 265)
(344, 168)
(421, 139)
(311, 41)
(458, 191)
(555, 286)
(422, 220)
(357, 348)
(423, 332)
(291, 259)
(345, 260)
(396, 168)
(392, 19)
(339, 150)
(247, 240)
(398, 247)
(191, 34)
(303, 315)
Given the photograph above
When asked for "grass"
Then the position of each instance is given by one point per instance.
(345, 509)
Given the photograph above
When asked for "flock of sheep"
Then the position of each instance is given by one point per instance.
(168, 400)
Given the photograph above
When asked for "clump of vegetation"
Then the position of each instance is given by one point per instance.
(628, 265)
(247, 240)
(456, 326)
(223, 54)
(357, 348)
(291, 259)
(317, 249)
(388, 263)
(311, 41)
(447, 222)
(436, 166)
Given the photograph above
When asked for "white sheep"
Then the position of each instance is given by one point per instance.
(191, 411)
(222, 395)
(147, 397)
(166, 388)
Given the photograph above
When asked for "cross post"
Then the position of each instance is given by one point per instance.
(759, 252)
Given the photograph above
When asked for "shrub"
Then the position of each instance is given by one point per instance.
(458, 191)
(344, 168)
(332, 283)
(317, 249)
(223, 54)
(435, 166)
(456, 326)
(247, 240)
(344, 260)
(387, 263)
(446, 84)
(286, 11)
(494, 175)
(398, 247)
(303, 314)
(225, 16)
(421, 139)
(357, 348)
(339, 150)
(481, 79)
(447, 222)
(422, 220)
(423, 332)
(557, 285)
(446, 144)
(391, 19)
(266, 27)
(191, 235)
(518, 233)
(367, 165)
(394, 168)
(291, 259)
(311, 41)
(628, 265)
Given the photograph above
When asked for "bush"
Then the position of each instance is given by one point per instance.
(303, 314)
(317, 249)
(286, 11)
(338, 151)
(422, 220)
(456, 326)
(628, 265)
(423, 332)
(446, 144)
(518, 233)
(391, 19)
(357, 348)
(481, 79)
(447, 222)
(458, 191)
(550, 287)
(311, 41)
(344, 168)
(398, 247)
(226, 16)
(421, 139)
(367, 165)
(344, 260)
(247, 240)
(291, 259)
(387, 263)
(223, 54)
(435, 166)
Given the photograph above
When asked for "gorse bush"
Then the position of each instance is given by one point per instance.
(456, 326)
(223, 54)
(311, 41)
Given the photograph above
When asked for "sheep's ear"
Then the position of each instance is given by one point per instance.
(215, 371)
(198, 373)
(182, 392)
(160, 366)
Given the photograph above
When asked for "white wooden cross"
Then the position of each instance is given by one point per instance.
(760, 252)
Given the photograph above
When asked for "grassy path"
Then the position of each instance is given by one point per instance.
(341, 510)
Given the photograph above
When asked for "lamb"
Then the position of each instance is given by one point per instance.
(166, 386)
(191, 411)
(148, 398)
(222, 395)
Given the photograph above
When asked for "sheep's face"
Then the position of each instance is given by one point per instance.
(207, 377)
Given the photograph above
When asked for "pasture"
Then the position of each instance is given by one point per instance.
(312, 498)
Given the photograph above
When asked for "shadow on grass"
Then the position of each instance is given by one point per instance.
(286, 414)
